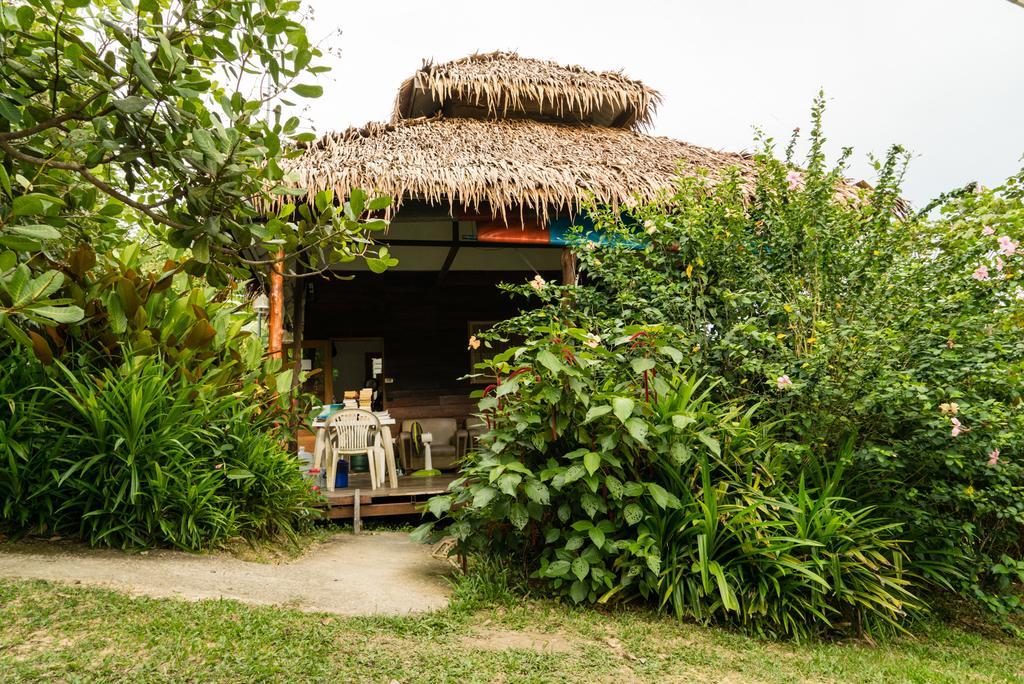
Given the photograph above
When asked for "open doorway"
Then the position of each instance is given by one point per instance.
(358, 362)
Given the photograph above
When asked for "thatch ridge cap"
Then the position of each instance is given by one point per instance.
(504, 82)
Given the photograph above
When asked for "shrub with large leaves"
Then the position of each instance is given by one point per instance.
(606, 474)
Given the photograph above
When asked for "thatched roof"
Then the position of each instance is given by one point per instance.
(504, 85)
(514, 164)
(509, 134)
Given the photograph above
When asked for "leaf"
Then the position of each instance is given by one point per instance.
(439, 505)
(573, 473)
(201, 334)
(680, 421)
(637, 429)
(39, 288)
(307, 90)
(283, 382)
(592, 461)
(578, 591)
(131, 104)
(378, 203)
(680, 453)
(573, 543)
(591, 504)
(550, 361)
(662, 497)
(205, 142)
(507, 387)
(641, 365)
(623, 407)
(240, 474)
(633, 514)
(564, 512)
(518, 516)
(508, 482)
(201, 250)
(36, 231)
(41, 347)
(672, 353)
(558, 568)
(376, 265)
(484, 496)
(596, 412)
(710, 442)
(580, 567)
(537, 491)
(33, 203)
(596, 536)
(615, 488)
(60, 314)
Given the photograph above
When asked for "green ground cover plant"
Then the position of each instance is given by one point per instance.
(786, 404)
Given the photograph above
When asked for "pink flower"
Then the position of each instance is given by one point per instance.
(315, 488)
(538, 283)
(592, 341)
(957, 428)
(1000, 264)
(993, 457)
(988, 230)
(980, 273)
(783, 381)
(1008, 246)
(793, 179)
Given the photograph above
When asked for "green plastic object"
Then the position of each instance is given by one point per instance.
(360, 463)
(426, 473)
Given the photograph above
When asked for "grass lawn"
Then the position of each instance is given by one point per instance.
(72, 633)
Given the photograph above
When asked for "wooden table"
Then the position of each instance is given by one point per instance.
(386, 421)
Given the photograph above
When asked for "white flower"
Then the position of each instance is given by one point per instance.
(783, 381)
(538, 283)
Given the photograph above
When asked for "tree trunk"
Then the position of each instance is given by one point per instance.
(568, 267)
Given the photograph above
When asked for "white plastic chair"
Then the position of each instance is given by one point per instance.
(350, 432)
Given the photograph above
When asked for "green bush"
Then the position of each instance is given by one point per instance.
(156, 421)
(867, 340)
(608, 475)
(141, 454)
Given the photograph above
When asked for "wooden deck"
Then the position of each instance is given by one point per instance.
(407, 498)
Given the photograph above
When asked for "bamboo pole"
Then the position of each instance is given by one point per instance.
(275, 320)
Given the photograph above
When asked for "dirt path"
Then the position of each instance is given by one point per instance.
(382, 573)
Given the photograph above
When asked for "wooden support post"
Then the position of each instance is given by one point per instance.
(357, 521)
(568, 267)
(452, 252)
(275, 321)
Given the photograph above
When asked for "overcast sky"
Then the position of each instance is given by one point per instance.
(945, 78)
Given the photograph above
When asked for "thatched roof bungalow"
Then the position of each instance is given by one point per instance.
(481, 156)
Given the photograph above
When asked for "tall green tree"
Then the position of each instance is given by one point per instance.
(158, 120)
